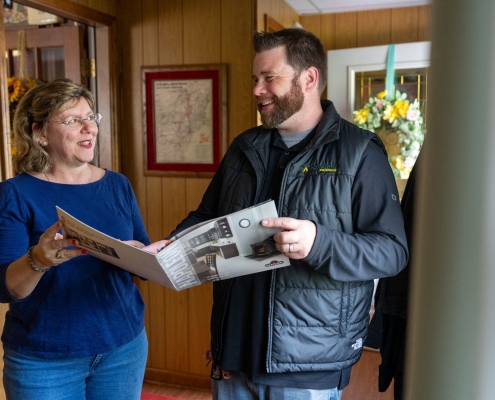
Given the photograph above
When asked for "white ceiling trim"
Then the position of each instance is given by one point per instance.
(306, 7)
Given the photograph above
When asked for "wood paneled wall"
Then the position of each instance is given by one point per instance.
(369, 28)
(106, 6)
(155, 32)
(279, 10)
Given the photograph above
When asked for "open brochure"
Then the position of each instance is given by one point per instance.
(221, 248)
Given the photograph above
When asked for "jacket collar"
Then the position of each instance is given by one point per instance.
(329, 127)
(326, 131)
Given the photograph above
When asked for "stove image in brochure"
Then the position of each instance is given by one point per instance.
(222, 248)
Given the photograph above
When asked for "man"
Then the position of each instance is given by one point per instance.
(295, 332)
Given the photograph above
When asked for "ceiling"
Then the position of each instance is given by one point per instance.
(304, 7)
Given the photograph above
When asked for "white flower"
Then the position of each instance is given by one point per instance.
(409, 162)
(414, 153)
(412, 115)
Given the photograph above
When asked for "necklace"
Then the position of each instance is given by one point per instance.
(90, 178)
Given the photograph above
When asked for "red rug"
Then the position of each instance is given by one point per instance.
(151, 396)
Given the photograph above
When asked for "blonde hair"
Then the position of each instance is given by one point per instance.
(38, 106)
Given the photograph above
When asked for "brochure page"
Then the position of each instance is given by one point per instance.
(222, 248)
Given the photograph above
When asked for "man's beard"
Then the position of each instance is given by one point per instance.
(283, 108)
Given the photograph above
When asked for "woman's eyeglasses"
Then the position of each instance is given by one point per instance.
(91, 119)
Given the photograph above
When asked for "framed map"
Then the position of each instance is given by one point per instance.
(184, 114)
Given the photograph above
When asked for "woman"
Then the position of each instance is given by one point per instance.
(75, 328)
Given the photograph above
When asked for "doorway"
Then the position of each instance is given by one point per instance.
(43, 43)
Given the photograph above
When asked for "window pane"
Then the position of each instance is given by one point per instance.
(412, 81)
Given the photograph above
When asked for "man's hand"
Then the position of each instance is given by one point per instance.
(157, 246)
(297, 238)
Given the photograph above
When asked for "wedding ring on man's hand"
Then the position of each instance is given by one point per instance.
(58, 254)
(291, 247)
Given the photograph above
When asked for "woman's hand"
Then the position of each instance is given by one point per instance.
(21, 277)
(52, 249)
(157, 246)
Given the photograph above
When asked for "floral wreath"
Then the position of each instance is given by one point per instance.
(399, 124)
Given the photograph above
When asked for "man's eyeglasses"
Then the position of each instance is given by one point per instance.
(73, 121)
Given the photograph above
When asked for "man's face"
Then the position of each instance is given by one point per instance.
(277, 89)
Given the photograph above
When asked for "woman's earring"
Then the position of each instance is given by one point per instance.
(44, 143)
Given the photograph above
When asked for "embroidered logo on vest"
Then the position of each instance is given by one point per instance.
(358, 344)
(319, 169)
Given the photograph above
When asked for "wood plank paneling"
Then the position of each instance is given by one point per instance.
(404, 25)
(149, 56)
(424, 23)
(345, 30)
(327, 35)
(156, 315)
(370, 28)
(176, 334)
(202, 36)
(103, 6)
(287, 14)
(176, 324)
(154, 204)
(279, 10)
(157, 334)
(262, 8)
(200, 303)
(312, 23)
(373, 27)
(150, 31)
(130, 28)
(173, 204)
(82, 2)
(275, 10)
(170, 27)
(200, 297)
(236, 36)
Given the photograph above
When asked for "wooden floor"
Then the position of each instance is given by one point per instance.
(176, 391)
(364, 380)
(363, 386)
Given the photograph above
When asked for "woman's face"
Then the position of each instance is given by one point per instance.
(72, 143)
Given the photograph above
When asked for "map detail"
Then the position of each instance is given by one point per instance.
(183, 121)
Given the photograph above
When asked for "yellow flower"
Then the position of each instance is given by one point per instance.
(361, 116)
(381, 95)
(16, 90)
(390, 114)
(31, 83)
(404, 173)
(397, 163)
(401, 106)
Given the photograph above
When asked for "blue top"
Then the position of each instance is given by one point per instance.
(84, 306)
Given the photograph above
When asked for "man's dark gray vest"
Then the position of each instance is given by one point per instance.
(315, 323)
